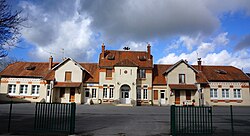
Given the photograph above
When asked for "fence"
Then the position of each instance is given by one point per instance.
(191, 120)
(55, 117)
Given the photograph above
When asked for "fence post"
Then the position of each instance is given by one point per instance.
(72, 118)
(10, 112)
(232, 121)
(172, 120)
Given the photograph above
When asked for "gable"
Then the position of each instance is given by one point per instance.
(179, 63)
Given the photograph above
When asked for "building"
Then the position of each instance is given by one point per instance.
(125, 77)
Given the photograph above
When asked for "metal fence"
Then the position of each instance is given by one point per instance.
(55, 117)
(191, 120)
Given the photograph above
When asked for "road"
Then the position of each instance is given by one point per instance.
(108, 120)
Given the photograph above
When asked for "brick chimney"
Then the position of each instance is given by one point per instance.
(199, 64)
(149, 51)
(50, 62)
(103, 50)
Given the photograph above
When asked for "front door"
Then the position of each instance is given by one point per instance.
(125, 94)
(72, 95)
(163, 97)
(87, 94)
(177, 96)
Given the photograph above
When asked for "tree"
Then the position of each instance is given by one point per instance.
(10, 26)
(4, 62)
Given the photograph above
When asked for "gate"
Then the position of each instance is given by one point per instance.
(191, 120)
(55, 117)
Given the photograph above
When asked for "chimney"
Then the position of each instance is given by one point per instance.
(103, 50)
(50, 62)
(199, 64)
(149, 51)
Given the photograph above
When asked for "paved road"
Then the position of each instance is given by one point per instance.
(107, 120)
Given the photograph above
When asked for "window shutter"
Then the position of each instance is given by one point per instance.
(108, 72)
(67, 76)
(155, 94)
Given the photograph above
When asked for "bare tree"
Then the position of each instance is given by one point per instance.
(4, 62)
(10, 26)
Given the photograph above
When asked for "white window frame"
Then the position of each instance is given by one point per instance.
(213, 93)
(145, 92)
(11, 89)
(142, 73)
(105, 91)
(237, 93)
(93, 92)
(111, 91)
(36, 90)
(225, 93)
(25, 90)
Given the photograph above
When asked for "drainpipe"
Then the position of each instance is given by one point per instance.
(51, 91)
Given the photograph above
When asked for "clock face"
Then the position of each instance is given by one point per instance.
(125, 71)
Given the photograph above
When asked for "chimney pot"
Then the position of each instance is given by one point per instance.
(199, 64)
(50, 62)
(103, 50)
(149, 51)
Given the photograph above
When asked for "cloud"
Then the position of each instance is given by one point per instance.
(244, 43)
(206, 50)
(59, 27)
(142, 20)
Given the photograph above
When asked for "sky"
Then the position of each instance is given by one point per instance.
(217, 31)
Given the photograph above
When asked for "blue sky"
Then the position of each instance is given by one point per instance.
(216, 31)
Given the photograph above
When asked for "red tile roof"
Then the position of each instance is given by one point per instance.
(112, 57)
(126, 63)
(158, 77)
(223, 73)
(93, 69)
(26, 69)
(183, 86)
(67, 84)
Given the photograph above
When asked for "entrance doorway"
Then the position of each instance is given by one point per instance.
(125, 94)
(72, 95)
(177, 96)
(163, 97)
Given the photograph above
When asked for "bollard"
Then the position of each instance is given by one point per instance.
(10, 116)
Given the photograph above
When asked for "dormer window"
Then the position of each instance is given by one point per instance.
(111, 57)
(142, 58)
(181, 78)
(68, 76)
(30, 68)
(220, 71)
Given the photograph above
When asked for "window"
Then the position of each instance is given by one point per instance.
(213, 93)
(225, 93)
(108, 72)
(181, 78)
(105, 91)
(142, 73)
(138, 93)
(86, 92)
(62, 92)
(93, 93)
(237, 93)
(145, 92)
(68, 76)
(111, 91)
(23, 89)
(12, 89)
(35, 89)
